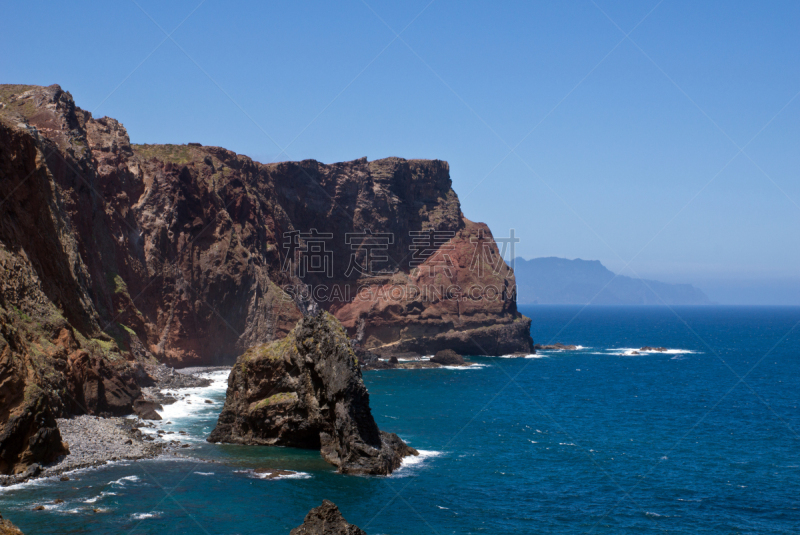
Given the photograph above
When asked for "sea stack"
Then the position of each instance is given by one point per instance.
(306, 391)
(326, 520)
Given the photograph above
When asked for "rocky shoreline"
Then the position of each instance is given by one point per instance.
(94, 441)
(167, 379)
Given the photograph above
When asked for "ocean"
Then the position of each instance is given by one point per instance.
(702, 438)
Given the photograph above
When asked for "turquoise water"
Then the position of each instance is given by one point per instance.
(592, 441)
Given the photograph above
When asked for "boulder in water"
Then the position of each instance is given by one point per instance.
(448, 357)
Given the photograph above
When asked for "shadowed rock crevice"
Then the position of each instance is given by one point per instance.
(306, 391)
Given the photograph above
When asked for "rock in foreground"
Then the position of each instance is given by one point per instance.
(7, 528)
(326, 520)
(306, 391)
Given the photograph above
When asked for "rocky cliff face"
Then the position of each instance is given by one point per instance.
(55, 358)
(116, 254)
(193, 254)
(306, 391)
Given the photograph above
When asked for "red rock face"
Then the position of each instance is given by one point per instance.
(183, 252)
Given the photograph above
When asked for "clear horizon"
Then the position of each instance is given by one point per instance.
(658, 138)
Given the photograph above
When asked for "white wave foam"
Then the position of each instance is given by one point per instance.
(195, 399)
(412, 462)
(51, 506)
(25, 484)
(123, 480)
(632, 352)
(99, 497)
(145, 516)
(269, 476)
(296, 475)
(204, 473)
(471, 366)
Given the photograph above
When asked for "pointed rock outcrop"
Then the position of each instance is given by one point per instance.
(326, 520)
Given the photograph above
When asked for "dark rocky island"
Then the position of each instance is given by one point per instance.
(369, 360)
(306, 391)
(326, 520)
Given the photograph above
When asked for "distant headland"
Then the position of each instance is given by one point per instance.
(559, 281)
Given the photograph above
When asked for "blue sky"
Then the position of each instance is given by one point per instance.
(672, 153)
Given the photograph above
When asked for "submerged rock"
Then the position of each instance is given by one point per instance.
(448, 357)
(270, 473)
(326, 520)
(306, 391)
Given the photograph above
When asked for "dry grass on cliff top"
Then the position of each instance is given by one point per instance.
(177, 154)
(26, 107)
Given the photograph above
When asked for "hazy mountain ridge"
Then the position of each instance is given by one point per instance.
(559, 281)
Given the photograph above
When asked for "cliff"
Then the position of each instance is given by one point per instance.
(306, 391)
(189, 249)
(55, 358)
(116, 254)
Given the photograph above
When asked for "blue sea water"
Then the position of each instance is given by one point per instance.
(701, 439)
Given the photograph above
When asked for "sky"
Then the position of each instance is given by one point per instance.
(659, 137)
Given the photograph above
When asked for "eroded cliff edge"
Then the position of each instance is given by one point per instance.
(306, 391)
